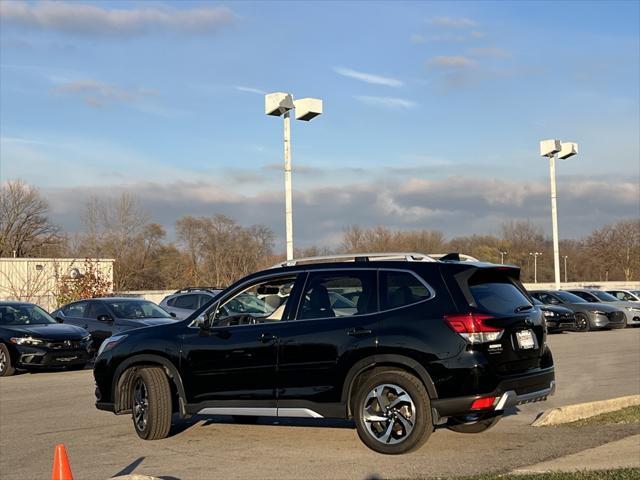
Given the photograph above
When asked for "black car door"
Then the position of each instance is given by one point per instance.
(101, 321)
(233, 363)
(335, 325)
(74, 314)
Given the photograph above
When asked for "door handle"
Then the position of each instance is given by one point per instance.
(359, 332)
(267, 337)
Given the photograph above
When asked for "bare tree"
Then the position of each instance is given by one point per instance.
(617, 246)
(25, 228)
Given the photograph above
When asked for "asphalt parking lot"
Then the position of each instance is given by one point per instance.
(40, 410)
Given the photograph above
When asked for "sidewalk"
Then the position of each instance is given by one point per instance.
(623, 453)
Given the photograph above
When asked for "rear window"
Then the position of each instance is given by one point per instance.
(189, 302)
(500, 297)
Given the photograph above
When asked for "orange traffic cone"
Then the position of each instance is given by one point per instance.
(61, 467)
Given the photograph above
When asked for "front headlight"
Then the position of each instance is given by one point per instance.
(547, 313)
(86, 339)
(633, 309)
(598, 312)
(109, 343)
(26, 341)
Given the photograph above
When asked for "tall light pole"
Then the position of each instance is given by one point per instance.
(553, 149)
(502, 254)
(535, 256)
(565, 268)
(280, 104)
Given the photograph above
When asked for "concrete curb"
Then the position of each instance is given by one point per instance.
(572, 413)
(134, 477)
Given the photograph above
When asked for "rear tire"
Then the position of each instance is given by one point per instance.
(151, 404)
(582, 323)
(392, 412)
(462, 425)
(6, 369)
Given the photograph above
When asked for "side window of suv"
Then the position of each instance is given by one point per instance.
(264, 301)
(398, 289)
(189, 302)
(75, 309)
(96, 309)
(336, 294)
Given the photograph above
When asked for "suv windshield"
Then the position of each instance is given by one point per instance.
(24, 315)
(569, 297)
(137, 309)
(604, 296)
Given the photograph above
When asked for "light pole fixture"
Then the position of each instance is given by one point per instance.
(553, 149)
(502, 254)
(280, 104)
(535, 256)
(565, 268)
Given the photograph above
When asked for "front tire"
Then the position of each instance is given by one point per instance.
(582, 323)
(393, 412)
(464, 425)
(6, 369)
(151, 404)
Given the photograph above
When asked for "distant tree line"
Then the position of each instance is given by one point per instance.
(217, 250)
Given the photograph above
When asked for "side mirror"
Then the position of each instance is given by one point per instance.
(173, 314)
(59, 320)
(105, 318)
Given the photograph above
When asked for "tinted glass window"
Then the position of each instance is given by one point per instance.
(95, 309)
(569, 297)
(605, 297)
(204, 299)
(261, 302)
(75, 309)
(23, 315)
(329, 295)
(189, 302)
(137, 309)
(503, 298)
(171, 302)
(398, 289)
(585, 296)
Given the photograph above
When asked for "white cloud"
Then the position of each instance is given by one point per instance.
(97, 94)
(386, 102)
(368, 77)
(451, 61)
(453, 22)
(489, 52)
(87, 19)
(240, 88)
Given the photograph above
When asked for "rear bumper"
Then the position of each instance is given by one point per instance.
(511, 391)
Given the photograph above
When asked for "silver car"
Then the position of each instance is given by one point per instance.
(630, 309)
(186, 301)
(626, 295)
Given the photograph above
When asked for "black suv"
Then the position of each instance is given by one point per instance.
(401, 345)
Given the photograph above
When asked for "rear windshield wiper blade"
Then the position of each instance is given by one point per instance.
(522, 308)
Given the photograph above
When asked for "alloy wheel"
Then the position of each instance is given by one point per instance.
(140, 404)
(3, 361)
(389, 414)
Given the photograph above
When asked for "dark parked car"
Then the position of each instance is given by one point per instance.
(589, 316)
(559, 319)
(104, 317)
(31, 339)
(429, 343)
(630, 309)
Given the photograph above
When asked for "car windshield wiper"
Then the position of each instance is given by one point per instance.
(522, 308)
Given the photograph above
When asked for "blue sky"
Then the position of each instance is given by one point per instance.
(433, 110)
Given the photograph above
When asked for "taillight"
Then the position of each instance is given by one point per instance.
(473, 327)
(483, 403)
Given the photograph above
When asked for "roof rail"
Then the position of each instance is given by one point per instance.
(359, 257)
(196, 289)
(454, 256)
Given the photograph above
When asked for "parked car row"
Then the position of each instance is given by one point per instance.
(593, 309)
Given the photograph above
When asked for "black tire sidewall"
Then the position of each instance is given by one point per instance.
(423, 425)
(8, 366)
(156, 384)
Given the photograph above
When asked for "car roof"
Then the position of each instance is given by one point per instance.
(13, 303)
(113, 299)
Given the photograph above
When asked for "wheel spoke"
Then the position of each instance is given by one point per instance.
(386, 436)
(406, 423)
(375, 418)
(383, 401)
(402, 397)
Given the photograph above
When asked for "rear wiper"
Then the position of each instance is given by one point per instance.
(522, 308)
